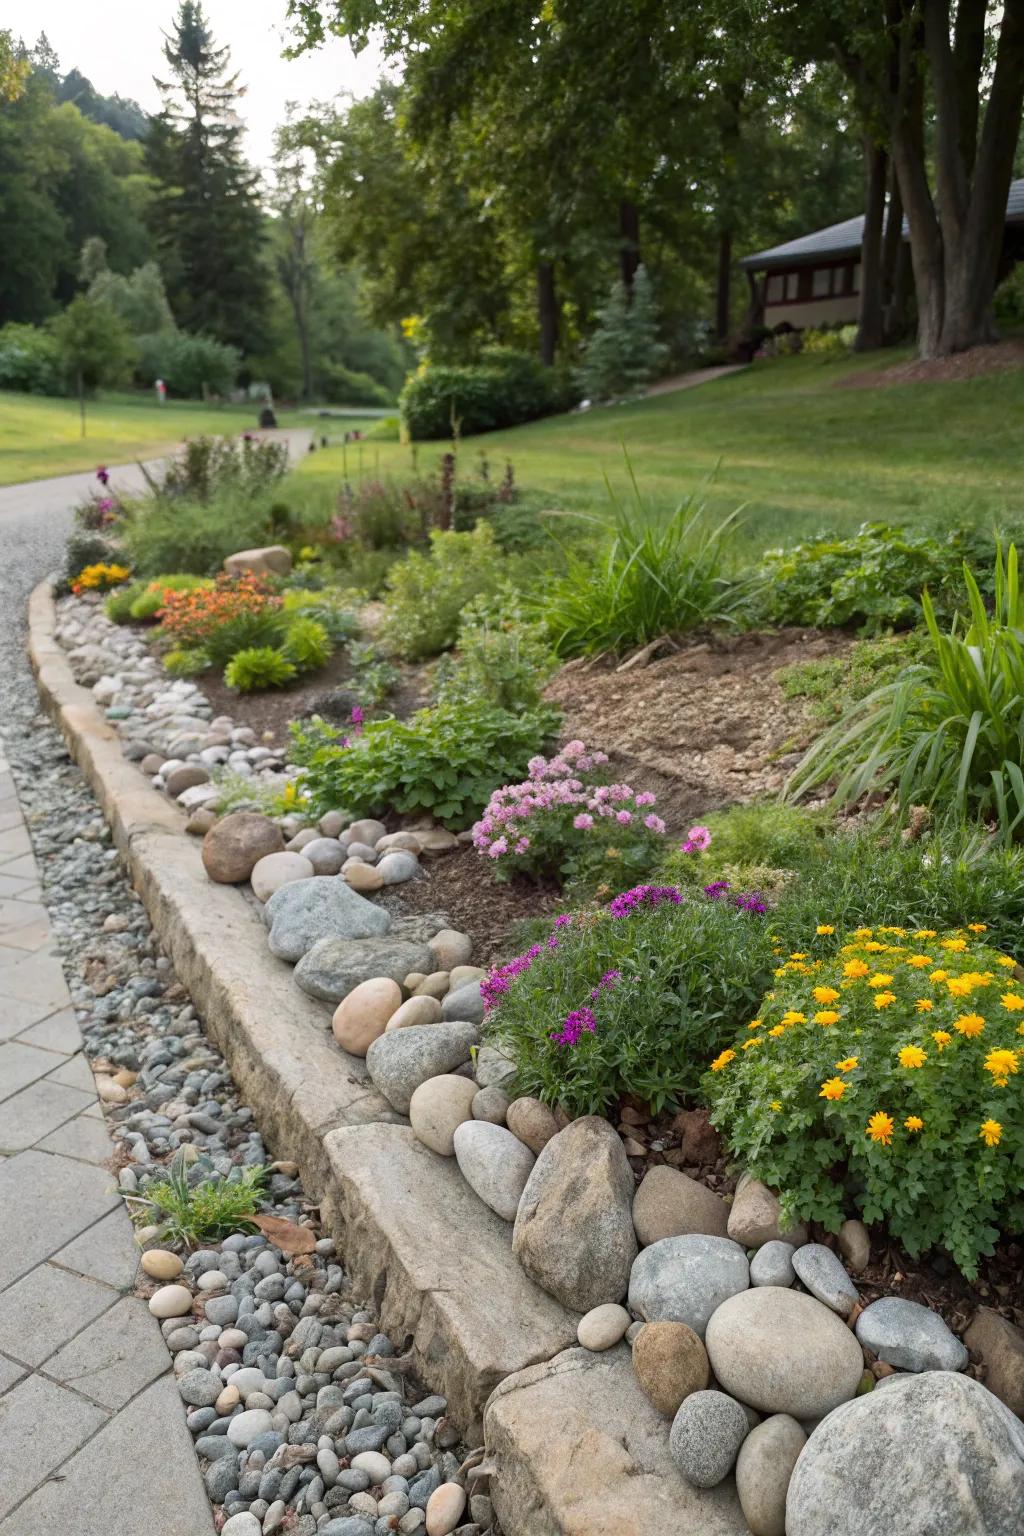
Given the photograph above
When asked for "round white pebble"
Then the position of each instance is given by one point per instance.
(171, 1301)
(242, 1524)
(213, 1280)
(603, 1326)
(444, 1509)
(161, 1264)
(244, 1427)
(376, 1466)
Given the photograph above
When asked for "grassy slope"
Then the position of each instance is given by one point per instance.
(799, 452)
(41, 437)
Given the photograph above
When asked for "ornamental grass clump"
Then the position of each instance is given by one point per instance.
(631, 998)
(888, 1074)
(565, 820)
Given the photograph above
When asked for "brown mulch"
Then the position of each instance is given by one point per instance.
(972, 364)
(704, 728)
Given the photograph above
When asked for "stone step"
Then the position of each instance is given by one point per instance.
(578, 1450)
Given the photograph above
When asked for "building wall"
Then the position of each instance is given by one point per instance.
(814, 313)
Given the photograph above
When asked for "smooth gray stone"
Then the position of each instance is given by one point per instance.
(685, 1279)
(909, 1336)
(772, 1264)
(706, 1436)
(302, 913)
(465, 1004)
(821, 1273)
(333, 967)
(399, 1061)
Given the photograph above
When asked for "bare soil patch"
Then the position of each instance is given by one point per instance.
(972, 364)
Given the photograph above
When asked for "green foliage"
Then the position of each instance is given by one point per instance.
(427, 591)
(502, 390)
(379, 514)
(652, 575)
(209, 467)
(196, 536)
(374, 676)
(259, 666)
(949, 731)
(193, 1212)
(835, 682)
(623, 353)
(873, 579)
(689, 976)
(307, 644)
(350, 386)
(186, 663)
(149, 596)
(118, 606)
(95, 346)
(501, 656)
(893, 1062)
(445, 760)
(829, 343)
(331, 610)
(30, 360)
(84, 548)
(256, 629)
(138, 298)
(189, 365)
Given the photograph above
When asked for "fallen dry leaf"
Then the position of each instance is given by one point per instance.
(286, 1235)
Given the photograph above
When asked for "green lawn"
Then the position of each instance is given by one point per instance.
(40, 437)
(780, 438)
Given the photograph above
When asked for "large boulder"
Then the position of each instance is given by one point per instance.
(671, 1204)
(929, 1455)
(686, 1279)
(783, 1352)
(272, 560)
(401, 1059)
(1000, 1344)
(909, 1336)
(235, 844)
(301, 914)
(494, 1163)
(333, 967)
(574, 1233)
(464, 1003)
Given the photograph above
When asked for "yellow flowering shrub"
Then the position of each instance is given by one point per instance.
(100, 577)
(905, 1096)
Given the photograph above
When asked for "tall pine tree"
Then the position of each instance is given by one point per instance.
(206, 217)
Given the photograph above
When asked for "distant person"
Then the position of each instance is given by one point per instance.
(161, 392)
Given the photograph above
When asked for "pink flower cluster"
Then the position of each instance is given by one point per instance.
(554, 785)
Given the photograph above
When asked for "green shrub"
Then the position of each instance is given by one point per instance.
(186, 663)
(259, 666)
(445, 761)
(502, 390)
(256, 630)
(347, 386)
(209, 466)
(828, 343)
(949, 732)
(197, 536)
(188, 364)
(379, 515)
(652, 575)
(118, 606)
(623, 353)
(332, 610)
(307, 644)
(873, 580)
(30, 360)
(883, 1075)
(150, 600)
(374, 676)
(835, 682)
(387, 430)
(501, 656)
(427, 591)
(84, 549)
(628, 1000)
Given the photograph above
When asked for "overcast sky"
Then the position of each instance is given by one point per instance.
(117, 44)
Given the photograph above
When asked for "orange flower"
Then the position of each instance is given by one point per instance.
(911, 1056)
(924, 1005)
(880, 1128)
(942, 1037)
(826, 1016)
(978, 927)
(990, 1132)
(914, 1123)
(969, 1024)
(825, 994)
(879, 979)
(1012, 1002)
(884, 999)
(917, 961)
(1002, 1064)
(925, 933)
(833, 1089)
(855, 968)
(723, 1060)
(824, 928)
(847, 1064)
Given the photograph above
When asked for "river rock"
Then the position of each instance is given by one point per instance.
(763, 1471)
(754, 1217)
(362, 1016)
(451, 948)
(671, 1204)
(464, 1003)
(493, 1067)
(772, 1264)
(333, 967)
(685, 1279)
(171, 1301)
(1000, 1344)
(705, 1437)
(670, 1362)
(491, 1104)
(301, 914)
(161, 1264)
(400, 1061)
(909, 1336)
(275, 870)
(245, 1426)
(821, 1273)
(438, 1107)
(185, 777)
(362, 876)
(324, 853)
(444, 1509)
(493, 1162)
(367, 831)
(533, 1122)
(603, 1326)
(235, 844)
(416, 1011)
(436, 985)
(783, 1352)
(855, 1245)
(395, 868)
(933, 1455)
(574, 1233)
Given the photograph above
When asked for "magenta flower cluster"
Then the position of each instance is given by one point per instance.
(744, 901)
(697, 840)
(644, 896)
(584, 1020)
(559, 785)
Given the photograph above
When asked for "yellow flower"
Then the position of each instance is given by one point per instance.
(914, 1123)
(899, 932)
(775, 1104)
(990, 1133)
(754, 1024)
(1020, 1029)
(1008, 961)
(863, 933)
(847, 1064)
(791, 1016)
(798, 954)
(875, 948)
(777, 1030)
(924, 1005)
(748, 1044)
(879, 979)
(938, 975)
(954, 945)
(833, 1089)
(723, 1060)
(942, 1037)
(925, 933)
(911, 1056)
(880, 1127)
(978, 978)
(825, 994)
(1012, 1002)
(969, 1024)
(978, 927)
(826, 1016)
(1002, 1064)
(855, 968)
(823, 928)
(917, 961)
(883, 999)
(960, 986)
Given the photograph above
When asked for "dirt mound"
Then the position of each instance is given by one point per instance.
(972, 364)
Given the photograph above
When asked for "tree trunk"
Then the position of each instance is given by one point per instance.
(547, 312)
(723, 284)
(629, 242)
(81, 400)
(869, 318)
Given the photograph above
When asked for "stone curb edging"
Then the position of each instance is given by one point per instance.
(576, 1448)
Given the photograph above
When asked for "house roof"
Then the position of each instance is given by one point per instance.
(844, 238)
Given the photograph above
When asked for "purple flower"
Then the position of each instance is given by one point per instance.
(654, 823)
(751, 901)
(624, 818)
(716, 889)
(643, 895)
(103, 474)
(583, 822)
(563, 919)
(697, 839)
(576, 1022)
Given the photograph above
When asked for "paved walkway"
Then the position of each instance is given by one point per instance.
(92, 1434)
(693, 379)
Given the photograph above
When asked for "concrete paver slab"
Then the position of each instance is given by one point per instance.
(75, 1072)
(73, 1195)
(20, 1065)
(115, 1357)
(60, 1032)
(37, 979)
(82, 1137)
(37, 1110)
(40, 1425)
(16, 1016)
(10, 1372)
(107, 1251)
(47, 1307)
